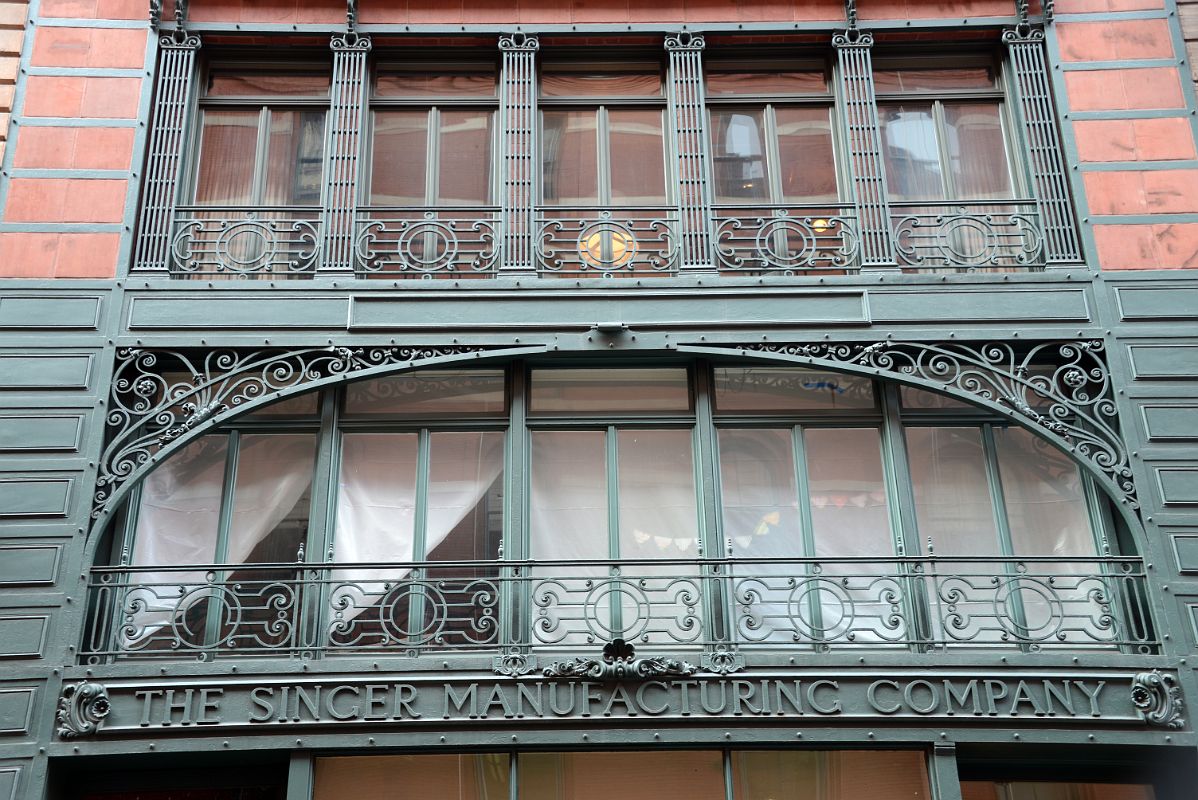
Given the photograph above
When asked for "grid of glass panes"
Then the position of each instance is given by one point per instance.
(633, 477)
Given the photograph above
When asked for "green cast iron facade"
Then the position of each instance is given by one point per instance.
(65, 343)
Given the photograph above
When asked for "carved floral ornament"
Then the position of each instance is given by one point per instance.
(1158, 698)
(163, 398)
(82, 708)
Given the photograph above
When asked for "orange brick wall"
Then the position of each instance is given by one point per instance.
(1127, 103)
(69, 191)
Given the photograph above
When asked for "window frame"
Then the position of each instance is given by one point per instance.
(265, 104)
(434, 105)
(1014, 148)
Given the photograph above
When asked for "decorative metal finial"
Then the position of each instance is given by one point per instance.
(850, 13)
(351, 15)
(180, 13)
(155, 14)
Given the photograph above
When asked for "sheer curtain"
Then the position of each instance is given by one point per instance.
(178, 524)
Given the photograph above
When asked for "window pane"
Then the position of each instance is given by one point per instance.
(912, 152)
(179, 513)
(251, 84)
(558, 82)
(302, 405)
(465, 157)
(598, 390)
(952, 493)
(568, 505)
(920, 79)
(783, 389)
(848, 494)
(1072, 791)
(839, 775)
(1042, 489)
(376, 497)
(738, 155)
(658, 514)
(694, 775)
(465, 496)
(271, 497)
(734, 81)
(637, 157)
(758, 493)
(978, 158)
(228, 143)
(569, 155)
(296, 148)
(913, 398)
(400, 158)
(807, 162)
(444, 393)
(464, 83)
(460, 777)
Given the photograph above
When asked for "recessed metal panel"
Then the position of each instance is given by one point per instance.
(26, 564)
(27, 433)
(1164, 361)
(16, 709)
(237, 313)
(59, 313)
(23, 636)
(35, 497)
(58, 371)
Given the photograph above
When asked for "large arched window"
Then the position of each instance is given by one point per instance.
(557, 507)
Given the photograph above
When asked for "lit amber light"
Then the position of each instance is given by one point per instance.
(608, 249)
(821, 225)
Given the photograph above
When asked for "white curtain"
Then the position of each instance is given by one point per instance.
(178, 522)
(376, 506)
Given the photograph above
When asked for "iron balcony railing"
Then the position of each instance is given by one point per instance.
(820, 605)
(466, 242)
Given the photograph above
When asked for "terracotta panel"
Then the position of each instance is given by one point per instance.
(214, 11)
(1147, 246)
(81, 47)
(320, 11)
(1173, 191)
(87, 255)
(110, 98)
(1163, 139)
(1105, 140)
(65, 200)
(28, 255)
(1114, 41)
(1115, 193)
(1092, 6)
(13, 13)
(1117, 89)
(78, 9)
(270, 11)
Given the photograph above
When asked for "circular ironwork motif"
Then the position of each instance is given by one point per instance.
(412, 613)
(196, 625)
(967, 240)
(246, 245)
(787, 242)
(609, 595)
(607, 245)
(1028, 608)
(428, 246)
(820, 606)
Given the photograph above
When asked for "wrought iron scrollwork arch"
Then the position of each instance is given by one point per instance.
(1061, 391)
(162, 399)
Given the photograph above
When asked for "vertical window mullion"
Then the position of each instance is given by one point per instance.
(773, 156)
(261, 156)
(212, 619)
(947, 182)
(613, 521)
(718, 610)
(516, 498)
(432, 166)
(322, 524)
(900, 503)
(1005, 542)
(810, 570)
(603, 156)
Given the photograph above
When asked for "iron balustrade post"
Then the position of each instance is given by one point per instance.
(859, 115)
(518, 152)
(1045, 160)
(164, 162)
(688, 129)
(347, 117)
